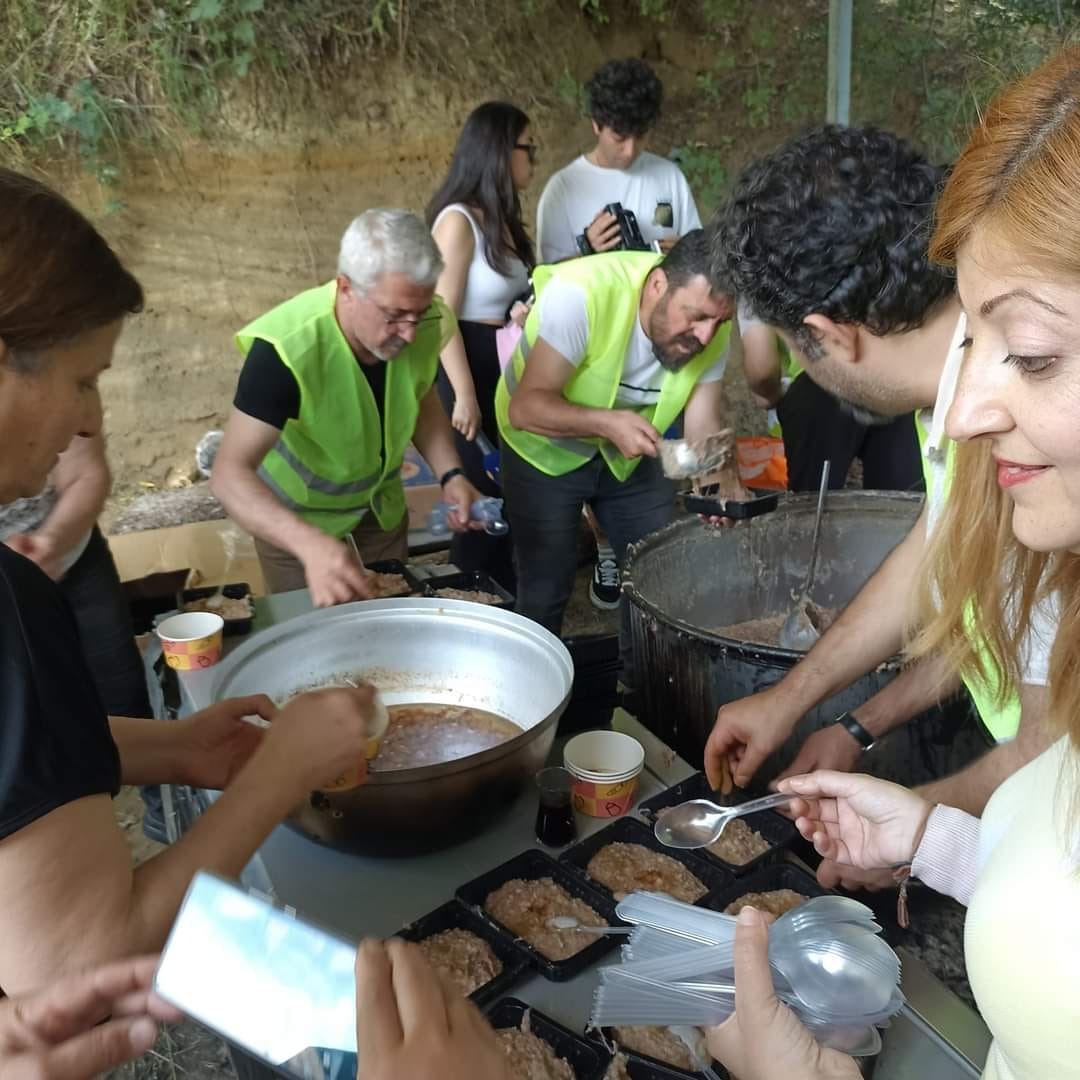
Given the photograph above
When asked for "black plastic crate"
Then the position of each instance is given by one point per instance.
(470, 581)
(630, 831)
(455, 916)
(529, 866)
(588, 1060)
(777, 876)
(778, 830)
(236, 591)
(396, 566)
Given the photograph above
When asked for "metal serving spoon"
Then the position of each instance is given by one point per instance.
(699, 822)
(799, 631)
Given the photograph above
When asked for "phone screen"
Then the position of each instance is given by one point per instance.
(262, 978)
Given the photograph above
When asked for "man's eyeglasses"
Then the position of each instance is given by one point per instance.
(408, 319)
(530, 148)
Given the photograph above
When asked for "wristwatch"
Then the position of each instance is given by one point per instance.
(855, 730)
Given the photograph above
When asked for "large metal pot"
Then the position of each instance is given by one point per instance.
(685, 581)
(438, 651)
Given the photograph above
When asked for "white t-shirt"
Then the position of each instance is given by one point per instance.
(1021, 937)
(1035, 663)
(653, 188)
(564, 325)
(488, 294)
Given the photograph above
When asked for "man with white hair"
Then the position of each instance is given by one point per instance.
(336, 382)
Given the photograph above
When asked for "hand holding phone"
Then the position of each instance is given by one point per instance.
(410, 1023)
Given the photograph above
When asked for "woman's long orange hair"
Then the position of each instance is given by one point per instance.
(1017, 182)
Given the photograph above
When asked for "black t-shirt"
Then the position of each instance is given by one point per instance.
(268, 391)
(55, 744)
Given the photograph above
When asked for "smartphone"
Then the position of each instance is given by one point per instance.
(277, 986)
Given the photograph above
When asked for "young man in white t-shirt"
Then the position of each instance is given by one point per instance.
(826, 241)
(624, 99)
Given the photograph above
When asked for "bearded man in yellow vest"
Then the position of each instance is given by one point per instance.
(826, 240)
(616, 347)
(336, 383)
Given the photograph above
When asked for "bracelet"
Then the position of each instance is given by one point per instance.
(450, 474)
(583, 245)
(855, 730)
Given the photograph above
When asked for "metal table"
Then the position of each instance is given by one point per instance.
(364, 896)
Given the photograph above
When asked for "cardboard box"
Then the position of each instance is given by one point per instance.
(200, 547)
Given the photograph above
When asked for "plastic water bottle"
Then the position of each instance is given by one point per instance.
(487, 510)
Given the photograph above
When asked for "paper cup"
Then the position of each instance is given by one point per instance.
(605, 766)
(358, 774)
(191, 641)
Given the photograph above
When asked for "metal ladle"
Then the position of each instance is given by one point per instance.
(682, 459)
(799, 632)
(699, 822)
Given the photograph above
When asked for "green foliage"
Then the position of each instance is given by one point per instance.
(571, 92)
(705, 171)
(84, 76)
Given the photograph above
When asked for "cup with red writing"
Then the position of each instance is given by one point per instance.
(192, 640)
(605, 766)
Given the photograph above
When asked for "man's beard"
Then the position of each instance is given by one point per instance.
(389, 349)
(664, 346)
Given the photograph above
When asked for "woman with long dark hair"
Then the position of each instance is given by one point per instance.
(476, 220)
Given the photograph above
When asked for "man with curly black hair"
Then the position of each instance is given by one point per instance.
(825, 240)
(624, 99)
(815, 264)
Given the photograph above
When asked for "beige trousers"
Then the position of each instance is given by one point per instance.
(283, 571)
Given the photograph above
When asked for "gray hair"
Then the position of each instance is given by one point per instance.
(384, 241)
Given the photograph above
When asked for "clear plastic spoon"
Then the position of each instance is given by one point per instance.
(699, 822)
(569, 922)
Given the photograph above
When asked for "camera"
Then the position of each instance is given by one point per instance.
(629, 233)
(630, 238)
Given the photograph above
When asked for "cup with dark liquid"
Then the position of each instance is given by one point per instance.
(555, 824)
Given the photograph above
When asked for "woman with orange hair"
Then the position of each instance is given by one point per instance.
(1009, 222)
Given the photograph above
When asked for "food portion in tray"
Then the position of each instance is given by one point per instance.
(463, 958)
(775, 902)
(739, 844)
(626, 868)
(527, 907)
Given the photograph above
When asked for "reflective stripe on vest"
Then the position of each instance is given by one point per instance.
(1001, 719)
(580, 447)
(340, 459)
(319, 483)
(611, 284)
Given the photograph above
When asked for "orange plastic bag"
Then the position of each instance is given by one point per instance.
(761, 462)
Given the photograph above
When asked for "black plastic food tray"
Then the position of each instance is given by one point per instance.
(470, 581)
(764, 502)
(529, 866)
(237, 591)
(643, 1067)
(777, 876)
(630, 831)
(396, 566)
(588, 1060)
(778, 830)
(455, 916)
